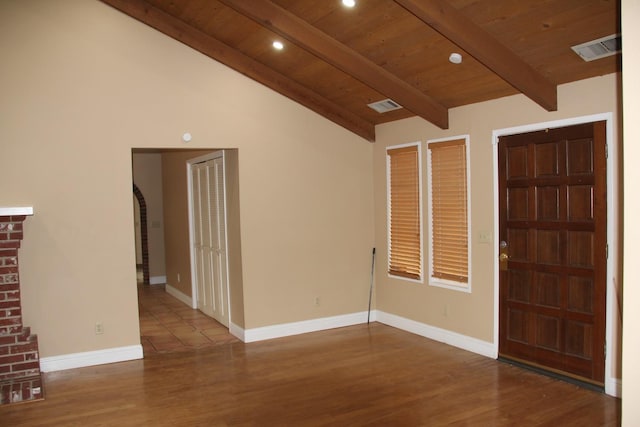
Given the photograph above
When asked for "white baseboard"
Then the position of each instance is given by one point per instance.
(90, 358)
(236, 331)
(157, 280)
(177, 294)
(464, 342)
(613, 387)
(295, 328)
(287, 329)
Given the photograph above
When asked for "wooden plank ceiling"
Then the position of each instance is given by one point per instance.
(337, 60)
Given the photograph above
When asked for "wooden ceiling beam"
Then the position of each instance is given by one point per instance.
(328, 49)
(455, 26)
(215, 49)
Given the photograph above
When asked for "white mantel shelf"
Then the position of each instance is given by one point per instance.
(16, 211)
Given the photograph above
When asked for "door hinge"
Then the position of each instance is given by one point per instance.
(607, 251)
(606, 151)
(605, 350)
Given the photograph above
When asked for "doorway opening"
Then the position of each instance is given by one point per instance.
(169, 321)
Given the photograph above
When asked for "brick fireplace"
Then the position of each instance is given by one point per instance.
(20, 378)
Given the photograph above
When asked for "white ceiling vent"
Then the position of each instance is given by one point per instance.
(385, 105)
(600, 48)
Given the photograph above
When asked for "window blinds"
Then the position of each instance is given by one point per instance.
(449, 210)
(405, 252)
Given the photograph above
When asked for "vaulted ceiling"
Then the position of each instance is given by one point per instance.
(336, 60)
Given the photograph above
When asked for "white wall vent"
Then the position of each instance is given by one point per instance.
(600, 48)
(385, 105)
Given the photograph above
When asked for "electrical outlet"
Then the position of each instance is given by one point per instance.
(317, 301)
(99, 328)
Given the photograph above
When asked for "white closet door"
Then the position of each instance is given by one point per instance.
(201, 247)
(209, 242)
(218, 241)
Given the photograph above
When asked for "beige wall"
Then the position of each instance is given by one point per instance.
(234, 240)
(631, 94)
(147, 175)
(176, 213)
(470, 314)
(81, 86)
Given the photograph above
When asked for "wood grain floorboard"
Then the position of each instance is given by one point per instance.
(356, 376)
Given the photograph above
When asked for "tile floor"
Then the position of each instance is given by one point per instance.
(167, 325)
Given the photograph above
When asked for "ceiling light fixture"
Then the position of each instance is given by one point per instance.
(455, 58)
(278, 45)
(349, 3)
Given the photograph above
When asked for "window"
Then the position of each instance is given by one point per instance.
(449, 213)
(405, 211)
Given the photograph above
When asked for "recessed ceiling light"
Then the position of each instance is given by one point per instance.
(455, 58)
(278, 45)
(349, 3)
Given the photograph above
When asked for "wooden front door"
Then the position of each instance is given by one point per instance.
(552, 186)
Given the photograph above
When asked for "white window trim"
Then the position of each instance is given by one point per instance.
(443, 283)
(392, 147)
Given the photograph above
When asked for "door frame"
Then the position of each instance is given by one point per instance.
(613, 385)
(194, 286)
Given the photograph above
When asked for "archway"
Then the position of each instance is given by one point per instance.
(143, 233)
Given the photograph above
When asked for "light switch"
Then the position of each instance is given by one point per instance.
(484, 236)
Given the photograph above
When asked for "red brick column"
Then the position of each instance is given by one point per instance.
(20, 378)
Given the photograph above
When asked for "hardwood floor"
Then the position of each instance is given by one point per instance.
(356, 376)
